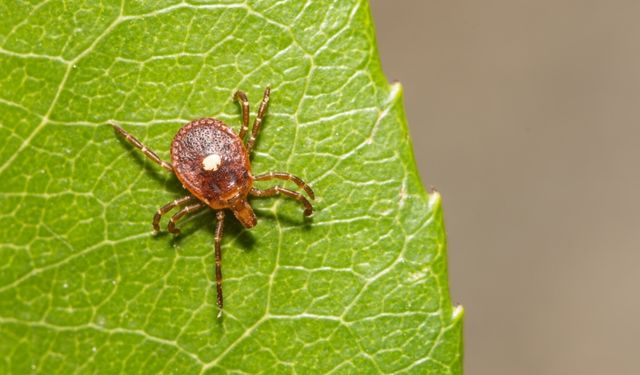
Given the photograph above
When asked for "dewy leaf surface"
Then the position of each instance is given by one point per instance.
(85, 286)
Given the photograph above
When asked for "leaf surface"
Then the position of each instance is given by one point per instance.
(84, 284)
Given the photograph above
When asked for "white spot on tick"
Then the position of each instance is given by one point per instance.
(211, 162)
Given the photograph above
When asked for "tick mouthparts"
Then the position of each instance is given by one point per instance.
(244, 213)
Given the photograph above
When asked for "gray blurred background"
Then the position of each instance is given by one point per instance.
(525, 114)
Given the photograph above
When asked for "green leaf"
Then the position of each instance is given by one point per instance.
(84, 284)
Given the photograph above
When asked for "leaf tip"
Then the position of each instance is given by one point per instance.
(458, 313)
(397, 91)
(435, 199)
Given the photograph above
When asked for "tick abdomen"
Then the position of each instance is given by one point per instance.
(211, 162)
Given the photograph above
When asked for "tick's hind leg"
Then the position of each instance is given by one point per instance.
(289, 177)
(172, 222)
(258, 122)
(149, 153)
(277, 190)
(168, 207)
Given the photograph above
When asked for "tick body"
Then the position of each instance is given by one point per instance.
(213, 164)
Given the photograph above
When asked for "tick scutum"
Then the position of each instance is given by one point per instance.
(211, 162)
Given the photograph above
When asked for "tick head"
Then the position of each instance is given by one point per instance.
(244, 213)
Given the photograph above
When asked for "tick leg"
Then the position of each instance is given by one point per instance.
(244, 102)
(289, 177)
(149, 153)
(218, 254)
(172, 222)
(166, 208)
(277, 190)
(258, 122)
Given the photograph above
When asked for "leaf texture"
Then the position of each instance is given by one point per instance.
(85, 287)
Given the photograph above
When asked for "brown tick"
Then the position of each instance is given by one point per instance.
(213, 164)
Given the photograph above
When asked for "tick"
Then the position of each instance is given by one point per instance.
(213, 164)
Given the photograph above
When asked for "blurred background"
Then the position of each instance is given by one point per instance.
(525, 115)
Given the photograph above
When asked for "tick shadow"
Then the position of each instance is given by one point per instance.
(240, 234)
(206, 219)
(233, 229)
(304, 222)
